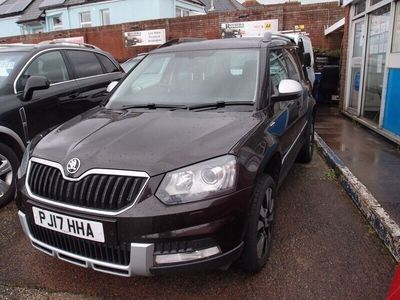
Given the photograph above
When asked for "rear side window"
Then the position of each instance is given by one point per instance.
(8, 61)
(50, 64)
(85, 63)
(108, 65)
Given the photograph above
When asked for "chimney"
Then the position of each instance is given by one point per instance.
(251, 3)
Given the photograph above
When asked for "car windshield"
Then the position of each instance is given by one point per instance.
(8, 61)
(191, 77)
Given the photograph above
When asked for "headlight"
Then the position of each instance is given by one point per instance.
(27, 154)
(24, 162)
(197, 182)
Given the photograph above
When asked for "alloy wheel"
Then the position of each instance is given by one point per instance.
(6, 175)
(264, 227)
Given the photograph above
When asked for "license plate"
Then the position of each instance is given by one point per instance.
(85, 229)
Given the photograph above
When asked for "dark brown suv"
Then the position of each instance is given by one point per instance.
(179, 169)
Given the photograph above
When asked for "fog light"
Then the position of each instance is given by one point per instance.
(188, 256)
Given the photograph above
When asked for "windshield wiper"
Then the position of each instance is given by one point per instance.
(218, 104)
(152, 106)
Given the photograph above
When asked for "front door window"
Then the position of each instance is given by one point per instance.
(358, 43)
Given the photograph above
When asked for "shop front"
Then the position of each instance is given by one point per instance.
(372, 94)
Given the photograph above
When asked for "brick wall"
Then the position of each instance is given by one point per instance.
(110, 38)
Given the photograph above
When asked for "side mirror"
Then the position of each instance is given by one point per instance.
(288, 90)
(34, 83)
(307, 59)
(111, 86)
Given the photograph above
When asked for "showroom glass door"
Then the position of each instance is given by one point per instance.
(356, 66)
(377, 45)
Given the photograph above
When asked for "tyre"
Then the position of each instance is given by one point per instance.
(258, 239)
(306, 152)
(8, 172)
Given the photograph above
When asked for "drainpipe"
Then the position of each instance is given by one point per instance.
(212, 8)
(69, 18)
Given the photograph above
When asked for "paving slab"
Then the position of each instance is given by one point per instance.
(371, 158)
(323, 249)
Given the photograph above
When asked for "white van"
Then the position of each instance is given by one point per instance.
(304, 43)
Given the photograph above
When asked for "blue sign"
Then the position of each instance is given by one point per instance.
(357, 81)
(391, 121)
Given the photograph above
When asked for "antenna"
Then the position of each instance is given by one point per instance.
(267, 37)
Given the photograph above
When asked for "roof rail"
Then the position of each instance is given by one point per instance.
(268, 36)
(67, 43)
(181, 40)
(294, 31)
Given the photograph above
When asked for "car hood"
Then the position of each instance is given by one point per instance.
(154, 141)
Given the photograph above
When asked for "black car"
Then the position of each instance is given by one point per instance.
(132, 62)
(42, 86)
(179, 170)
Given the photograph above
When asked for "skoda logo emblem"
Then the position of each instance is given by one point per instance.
(73, 165)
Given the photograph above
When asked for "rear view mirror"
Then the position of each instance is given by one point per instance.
(111, 86)
(288, 90)
(307, 59)
(34, 83)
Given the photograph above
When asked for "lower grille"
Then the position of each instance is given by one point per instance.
(172, 247)
(119, 254)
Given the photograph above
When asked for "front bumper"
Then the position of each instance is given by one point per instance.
(142, 258)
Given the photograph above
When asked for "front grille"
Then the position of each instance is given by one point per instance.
(97, 191)
(119, 254)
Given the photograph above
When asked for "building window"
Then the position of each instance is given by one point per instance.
(105, 16)
(57, 23)
(373, 2)
(86, 19)
(358, 41)
(181, 12)
(359, 8)
(37, 30)
(378, 33)
(396, 30)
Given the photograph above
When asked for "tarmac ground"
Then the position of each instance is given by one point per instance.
(323, 248)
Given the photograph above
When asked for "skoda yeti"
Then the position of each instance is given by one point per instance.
(179, 168)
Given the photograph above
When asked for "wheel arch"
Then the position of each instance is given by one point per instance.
(12, 140)
(271, 163)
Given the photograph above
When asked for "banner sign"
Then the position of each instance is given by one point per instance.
(248, 29)
(145, 38)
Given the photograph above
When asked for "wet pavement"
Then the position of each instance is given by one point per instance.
(372, 159)
(323, 248)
